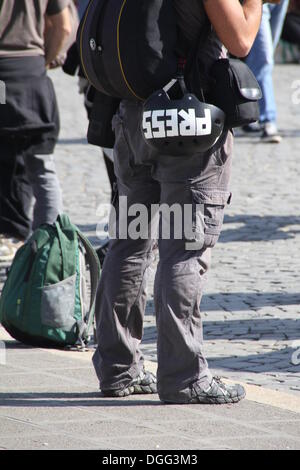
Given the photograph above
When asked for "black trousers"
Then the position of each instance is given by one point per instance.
(15, 191)
(291, 28)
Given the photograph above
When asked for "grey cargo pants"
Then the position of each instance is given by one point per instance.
(144, 177)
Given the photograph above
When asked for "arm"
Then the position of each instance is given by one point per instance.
(58, 29)
(236, 24)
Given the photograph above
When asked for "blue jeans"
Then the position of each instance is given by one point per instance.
(82, 4)
(261, 57)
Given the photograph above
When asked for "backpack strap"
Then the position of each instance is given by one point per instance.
(198, 82)
(84, 327)
(67, 255)
(64, 223)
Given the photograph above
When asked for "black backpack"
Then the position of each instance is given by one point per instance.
(128, 47)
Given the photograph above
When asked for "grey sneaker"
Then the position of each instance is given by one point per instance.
(270, 133)
(143, 384)
(217, 393)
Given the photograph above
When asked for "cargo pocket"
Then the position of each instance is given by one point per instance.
(208, 214)
(58, 304)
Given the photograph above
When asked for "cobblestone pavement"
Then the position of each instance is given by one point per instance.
(252, 306)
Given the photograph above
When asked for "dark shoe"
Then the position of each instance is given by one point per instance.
(218, 393)
(252, 128)
(144, 384)
(270, 134)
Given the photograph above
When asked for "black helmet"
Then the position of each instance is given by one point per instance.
(181, 127)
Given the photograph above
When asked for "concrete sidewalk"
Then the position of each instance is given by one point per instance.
(49, 399)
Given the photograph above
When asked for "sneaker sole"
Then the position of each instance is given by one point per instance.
(134, 390)
(208, 401)
(271, 140)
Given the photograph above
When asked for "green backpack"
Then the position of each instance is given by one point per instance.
(44, 300)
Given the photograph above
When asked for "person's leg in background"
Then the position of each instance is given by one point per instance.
(39, 161)
(46, 188)
(31, 144)
(25, 175)
(278, 14)
(15, 199)
(82, 5)
(291, 30)
(261, 62)
(15, 191)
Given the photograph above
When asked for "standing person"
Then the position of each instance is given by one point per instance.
(29, 121)
(261, 62)
(149, 178)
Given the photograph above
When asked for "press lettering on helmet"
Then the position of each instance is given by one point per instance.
(181, 127)
(167, 123)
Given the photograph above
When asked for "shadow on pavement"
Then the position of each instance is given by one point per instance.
(239, 301)
(74, 141)
(13, 344)
(277, 361)
(259, 228)
(60, 399)
(253, 329)
(246, 138)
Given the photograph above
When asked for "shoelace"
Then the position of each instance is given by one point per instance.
(222, 386)
(218, 380)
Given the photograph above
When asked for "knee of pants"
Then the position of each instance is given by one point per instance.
(45, 184)
(39, 166)
(42, 176)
